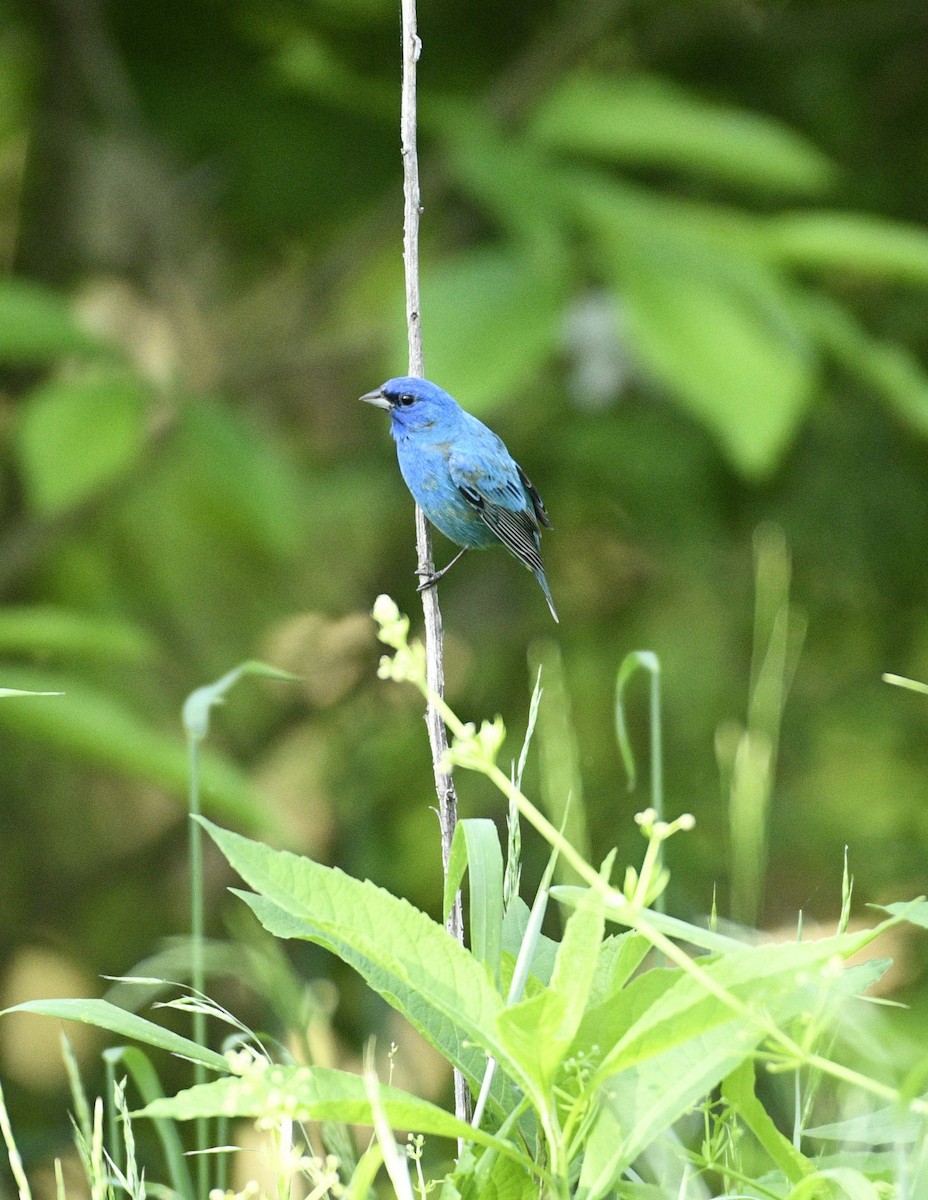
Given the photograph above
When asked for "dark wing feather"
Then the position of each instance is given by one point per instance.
(516, 529)
(537, 503)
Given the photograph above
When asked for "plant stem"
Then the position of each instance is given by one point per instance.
(434, 636)
(197, 972)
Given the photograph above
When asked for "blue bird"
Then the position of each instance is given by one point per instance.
(462, 476)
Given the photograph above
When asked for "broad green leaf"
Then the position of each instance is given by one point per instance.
(738, 1091)
(401, 952)
(541, 1029)
(101, 730)
(892, 1125)
(709, 323)
(890, 369)
(851, 243)
(303, 1093)
(529, 1030)
(640, 1104)
(620, 955)
(395, 988)
(475, 848)
(63, 633)
(748, 380)
(851, 1184)
(759, 976)
(512, 180)
(78, 436)
(576, 964)
(496, 299)
(913, 911)
(492, 1177)
(38, 326)
(610, 1017)
(126, 1024)
(643, 121)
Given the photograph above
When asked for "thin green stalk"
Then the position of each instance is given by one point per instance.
(16, 1163)
(197, 970)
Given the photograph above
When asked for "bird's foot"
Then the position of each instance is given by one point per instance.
(429, 579)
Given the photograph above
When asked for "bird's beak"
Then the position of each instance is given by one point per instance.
(377, 398)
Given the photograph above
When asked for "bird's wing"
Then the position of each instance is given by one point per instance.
(497, 490)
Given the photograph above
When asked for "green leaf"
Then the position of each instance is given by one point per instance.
(77, 436)
(107, 1016)
(853, 1186)
(302, 1093)
(541, 1029)
(576, 964)
(708, 322)
(638, 1105)
(850, 243)
(515, 926)
(758, 976)
(402, 953)
(101, 730)
(511, 179)
(738, 1091)
(198, 704)
(649, 122)
(38, 326)
(913, 911)
(891, 370)
(59, 632)
(892, 1125)
(496, 299)
(475, 847)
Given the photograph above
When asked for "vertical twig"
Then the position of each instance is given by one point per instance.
(434, 636)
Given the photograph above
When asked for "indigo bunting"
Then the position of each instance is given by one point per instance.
(462, 476)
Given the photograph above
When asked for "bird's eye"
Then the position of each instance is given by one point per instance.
(406, 399)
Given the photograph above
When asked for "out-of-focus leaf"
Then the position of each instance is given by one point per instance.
(99, 729)
(75, 436)
(126, 1024)
(738, 1091)
(747, 381)
(653, 123)
(307, 64)
(851, 243)
(511, 179)
(490, 319)
(37, 325)
(198, 704)
(887, 367)
(60, 633)
(715, 329)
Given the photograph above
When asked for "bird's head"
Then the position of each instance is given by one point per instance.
(413, 403)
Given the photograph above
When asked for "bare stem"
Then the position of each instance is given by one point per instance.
(434, 636)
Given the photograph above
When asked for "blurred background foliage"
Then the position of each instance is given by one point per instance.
(674, 252)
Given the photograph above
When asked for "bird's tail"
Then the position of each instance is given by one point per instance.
(540, 576)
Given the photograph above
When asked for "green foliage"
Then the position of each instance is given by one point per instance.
(678, 260)
(589, 1061)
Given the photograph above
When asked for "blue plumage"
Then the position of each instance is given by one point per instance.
(462, 476)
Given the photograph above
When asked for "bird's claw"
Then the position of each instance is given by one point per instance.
(429, 579)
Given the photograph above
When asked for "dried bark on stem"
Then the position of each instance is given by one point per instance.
(434, 636)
